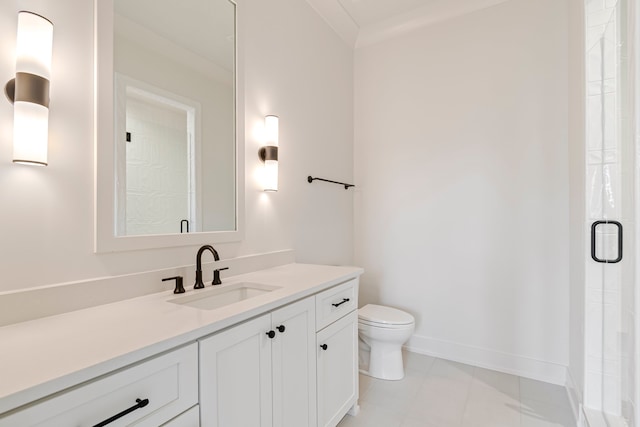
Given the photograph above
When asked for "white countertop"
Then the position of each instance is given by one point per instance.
(44, 356)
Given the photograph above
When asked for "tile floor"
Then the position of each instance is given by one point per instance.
(440, 393)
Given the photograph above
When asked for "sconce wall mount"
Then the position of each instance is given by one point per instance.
(269, 154)
(31, 88)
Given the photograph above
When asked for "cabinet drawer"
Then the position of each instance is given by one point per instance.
(169, 382)
(334, 303)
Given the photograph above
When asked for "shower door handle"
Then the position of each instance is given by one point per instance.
(593, 242)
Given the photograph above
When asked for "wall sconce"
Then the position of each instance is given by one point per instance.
(29, 91)
(269, 154)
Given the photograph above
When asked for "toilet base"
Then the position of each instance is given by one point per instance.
(385, 362)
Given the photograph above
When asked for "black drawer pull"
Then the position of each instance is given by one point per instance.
(340, 303)
(324, 346)
(281, 328)
(271, 334)
(140, 404)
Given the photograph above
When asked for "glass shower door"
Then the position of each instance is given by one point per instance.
(611, 213)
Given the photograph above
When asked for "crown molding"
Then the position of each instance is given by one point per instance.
(357, 37)
(338, 19)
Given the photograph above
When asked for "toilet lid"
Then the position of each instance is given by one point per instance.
(385, 315)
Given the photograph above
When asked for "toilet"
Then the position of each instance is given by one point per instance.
(382, 331)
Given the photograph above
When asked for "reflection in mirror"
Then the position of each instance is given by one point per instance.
(174, 117)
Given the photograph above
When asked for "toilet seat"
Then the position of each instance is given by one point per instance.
(383, 325)
(384, 317)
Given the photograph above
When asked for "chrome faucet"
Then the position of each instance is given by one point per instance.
(199, 284)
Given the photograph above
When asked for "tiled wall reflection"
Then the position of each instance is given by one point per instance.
(157, 168)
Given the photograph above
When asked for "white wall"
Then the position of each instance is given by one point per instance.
(462, 209)
(296, 67)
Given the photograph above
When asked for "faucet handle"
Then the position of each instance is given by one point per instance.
(179, 287)
(216, 276)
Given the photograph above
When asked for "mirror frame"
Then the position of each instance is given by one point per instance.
(105, 239)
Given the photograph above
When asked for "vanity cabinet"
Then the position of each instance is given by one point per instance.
(166, 386)
(288, 364)
(337, 353)
(261, 372)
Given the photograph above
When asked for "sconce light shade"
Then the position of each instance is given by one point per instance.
(271, 130)
(29, 91)
(269, 154)
(270, 175)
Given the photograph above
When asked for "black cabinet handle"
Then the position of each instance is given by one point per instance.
(139, 404)
(271, 334)
(324, 346)
(593, 242)
(280, 328)
(340, 303)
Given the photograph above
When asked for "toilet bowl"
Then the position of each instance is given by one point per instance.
(383, 330)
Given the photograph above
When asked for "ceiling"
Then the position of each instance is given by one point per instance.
(364, 22)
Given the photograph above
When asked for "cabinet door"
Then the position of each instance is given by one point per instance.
(235, 376)
(337, 347)
(294, 365)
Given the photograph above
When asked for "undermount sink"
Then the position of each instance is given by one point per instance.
(211, 299)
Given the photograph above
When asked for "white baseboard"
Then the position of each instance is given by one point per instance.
(490, 359)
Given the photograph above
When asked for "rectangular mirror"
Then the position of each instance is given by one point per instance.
(167, 131)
